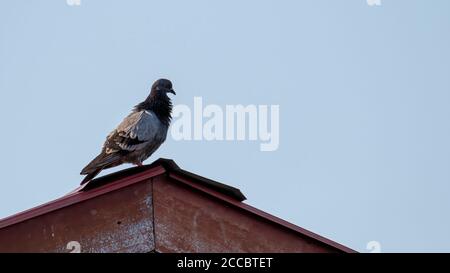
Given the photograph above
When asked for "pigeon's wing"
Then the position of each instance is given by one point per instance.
(136, 131)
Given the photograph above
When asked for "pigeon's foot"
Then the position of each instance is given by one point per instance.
(139, 164)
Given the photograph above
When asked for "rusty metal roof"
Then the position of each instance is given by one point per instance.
(114, 181)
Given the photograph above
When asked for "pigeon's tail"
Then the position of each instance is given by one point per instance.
(91, 176)
(102, 161)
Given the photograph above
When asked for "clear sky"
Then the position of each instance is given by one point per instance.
(363, 91)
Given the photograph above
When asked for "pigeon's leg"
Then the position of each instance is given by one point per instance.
(140, 164)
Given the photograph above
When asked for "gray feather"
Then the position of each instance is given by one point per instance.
(144, 127)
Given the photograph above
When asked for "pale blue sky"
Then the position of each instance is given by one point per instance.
(364, 95)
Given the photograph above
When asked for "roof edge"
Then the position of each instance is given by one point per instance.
(262, 214)
(228, 190)
(77, 196)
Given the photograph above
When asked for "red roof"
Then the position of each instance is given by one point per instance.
(124, 178)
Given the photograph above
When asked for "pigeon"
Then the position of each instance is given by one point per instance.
(139, 135)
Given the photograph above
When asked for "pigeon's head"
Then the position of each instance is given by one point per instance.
(162, 87)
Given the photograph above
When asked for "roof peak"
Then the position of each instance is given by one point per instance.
(170, 167)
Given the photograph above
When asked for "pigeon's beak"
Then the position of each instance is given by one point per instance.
(171, 91)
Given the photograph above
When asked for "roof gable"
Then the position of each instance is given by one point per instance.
(124, 178)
